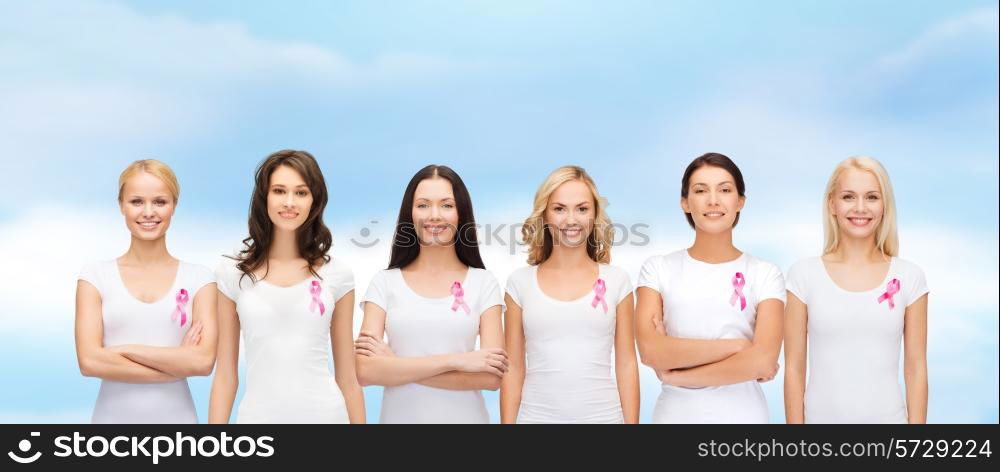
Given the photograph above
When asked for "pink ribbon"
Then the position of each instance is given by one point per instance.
(315, 290)
(181, 299)
(600, 288)
(459, 293)
(738, 283)
(891, 289)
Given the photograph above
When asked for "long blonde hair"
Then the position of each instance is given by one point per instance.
(156, 169)
(539, 239)
(886, 237)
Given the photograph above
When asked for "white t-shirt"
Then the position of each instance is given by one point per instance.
(854, 340)
(701, 301)
(127, 320)
(418, 326)
(286, 337)
(568, 349)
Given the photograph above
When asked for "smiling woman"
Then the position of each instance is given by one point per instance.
(708, 318)
(143, 321)
(291, 300)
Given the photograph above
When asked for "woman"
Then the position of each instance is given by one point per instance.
(708, 319)
(558, 317)
(292, 301)
(434, 299)
(145, 321)
(852, 307)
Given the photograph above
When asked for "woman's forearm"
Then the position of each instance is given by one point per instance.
(390, 371)
(182, 361)
(463, 381)
(108, 365)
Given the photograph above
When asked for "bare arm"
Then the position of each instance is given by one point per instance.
(756, 362)
(189, 359)
(226, 380)
(490, 336)
(513, 380)
(915, 360)
(390, 371)
(796, 341)
(342, 341)
(668, 352)
(94, 359)
(626, 365)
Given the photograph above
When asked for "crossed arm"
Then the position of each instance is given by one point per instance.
(701, 362)
(476, 370)
(135, 363)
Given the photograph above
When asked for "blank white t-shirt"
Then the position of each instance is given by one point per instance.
(697, 304)
(127, 320)
(853, 343)
(287, 341)
(419, 326)
(568, 345)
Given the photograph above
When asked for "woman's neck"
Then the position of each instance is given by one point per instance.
(714, 248)
(144, 252)
(855, 251)
(284, 246)
(567, 257)
(436, 258)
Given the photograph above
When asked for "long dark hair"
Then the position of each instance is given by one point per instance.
(721, 161)
(313, 237)
(406, 245)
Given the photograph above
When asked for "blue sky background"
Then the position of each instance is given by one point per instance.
(503, 92)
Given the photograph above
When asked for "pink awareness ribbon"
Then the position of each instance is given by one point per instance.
(891, 289)
(181, 299)
(459, 293)
(600, 288)
(738, 283)
(315, 288)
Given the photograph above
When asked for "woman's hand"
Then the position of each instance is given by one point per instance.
(492, 360)
(367, 345)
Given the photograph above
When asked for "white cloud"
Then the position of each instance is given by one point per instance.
(976, 25)
(80, 78)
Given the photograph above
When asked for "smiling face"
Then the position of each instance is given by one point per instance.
(435, 214)
(288, 199)
(570, 214)
(713, 199)
(857, 204)
(147, 205)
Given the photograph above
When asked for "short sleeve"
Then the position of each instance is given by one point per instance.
(490, 294)
(796, 281)
(227, 279)
(339, 279)
(378, 291)
(917, 286)
(624, 283)
(649, 275)
(91, 273)
(513, 287)
(772, 283)
(200, 277)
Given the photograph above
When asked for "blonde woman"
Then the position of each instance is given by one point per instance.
(145, 321)
(568, 312)
(852, 307)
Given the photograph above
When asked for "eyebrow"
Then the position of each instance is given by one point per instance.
(730, 182)
(578, 204)
(140, 196)
(428, 199)
(283, 185)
